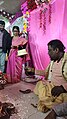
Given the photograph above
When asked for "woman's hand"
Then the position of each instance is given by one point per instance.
(14, 47)
(6, 58)
(29, 71)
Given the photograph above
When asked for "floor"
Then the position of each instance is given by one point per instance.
(21, 101)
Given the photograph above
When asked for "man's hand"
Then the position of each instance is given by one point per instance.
(51, 115)
(57, 90)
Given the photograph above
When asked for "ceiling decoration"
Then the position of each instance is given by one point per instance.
(10, 9)
(11, 6)
(39, 2)
(1, 2)
(6, 14)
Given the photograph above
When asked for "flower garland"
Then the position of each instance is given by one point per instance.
(39, 2)
(44, 20)
(40, 18)
(26, 18)
(25, 23)
(31, 5)
(25, 29)
(50, 11)
(44, 5)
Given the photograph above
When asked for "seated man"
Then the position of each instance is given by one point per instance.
(58, 111)
(53, 89)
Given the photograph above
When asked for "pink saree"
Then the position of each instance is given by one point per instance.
(14, 64)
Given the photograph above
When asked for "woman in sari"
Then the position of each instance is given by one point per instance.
(14, 64)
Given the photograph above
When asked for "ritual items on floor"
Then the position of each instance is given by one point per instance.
(32, 80)
(6, 110)
(29, 71)
(3, 80)
(25, 91)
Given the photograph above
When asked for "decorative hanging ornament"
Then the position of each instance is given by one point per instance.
(40, 2)
(31, 5)
(44, 5)
(6, 14)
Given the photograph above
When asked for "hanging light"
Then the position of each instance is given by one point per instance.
(1, 2)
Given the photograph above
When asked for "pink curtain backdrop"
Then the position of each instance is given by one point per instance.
(57, 29)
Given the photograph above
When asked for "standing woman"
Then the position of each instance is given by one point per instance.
(14, 64)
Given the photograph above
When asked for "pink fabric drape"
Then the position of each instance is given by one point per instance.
(57, 29)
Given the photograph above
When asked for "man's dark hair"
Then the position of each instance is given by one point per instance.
(57, 44)
(2, 22)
